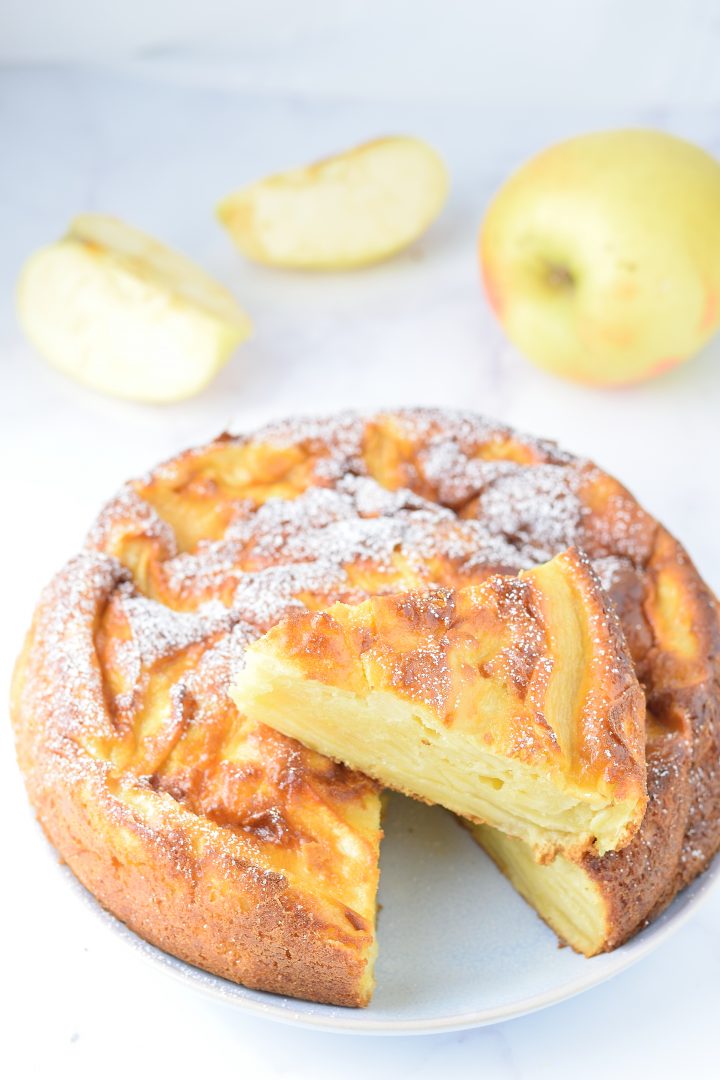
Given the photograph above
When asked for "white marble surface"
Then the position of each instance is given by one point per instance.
(414, 331)
(634, 54)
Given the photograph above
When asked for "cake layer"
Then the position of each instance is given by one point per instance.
(512, 702)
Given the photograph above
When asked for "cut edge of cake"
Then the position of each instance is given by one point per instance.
(512, 703)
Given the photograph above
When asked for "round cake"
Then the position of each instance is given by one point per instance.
(236, 848)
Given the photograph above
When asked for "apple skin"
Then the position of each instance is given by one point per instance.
(601, 256)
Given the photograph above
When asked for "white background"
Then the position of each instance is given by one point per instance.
(633, 53)
(155, 110)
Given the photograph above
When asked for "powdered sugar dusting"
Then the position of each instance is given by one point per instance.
(129, 514)
(428, 428)
(537, 508)
(210, 677)
(348, 536)
(268, 595)
(64, 672)
(308, 544)
(336, 440)
(158, 632)
(456, 477)
(610, 569)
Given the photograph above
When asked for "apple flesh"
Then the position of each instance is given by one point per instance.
(350, 210)
(601, 256)
(123, 314)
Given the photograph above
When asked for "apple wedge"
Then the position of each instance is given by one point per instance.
(123, 314)
(350, 210)
(513, 702)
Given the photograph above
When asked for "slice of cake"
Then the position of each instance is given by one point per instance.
(513, 702)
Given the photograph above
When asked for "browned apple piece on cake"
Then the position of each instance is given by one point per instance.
(512, 702)
(595, 903)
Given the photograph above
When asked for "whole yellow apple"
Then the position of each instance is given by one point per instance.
(601, 256)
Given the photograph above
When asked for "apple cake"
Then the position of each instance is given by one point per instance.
(235, 847)
(512, 703)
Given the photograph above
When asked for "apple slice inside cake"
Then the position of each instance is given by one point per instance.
(513, 702)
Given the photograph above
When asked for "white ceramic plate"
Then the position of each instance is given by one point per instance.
(458, 947)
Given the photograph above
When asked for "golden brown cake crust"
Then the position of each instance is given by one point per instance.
(214, 895)
(218, 841)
